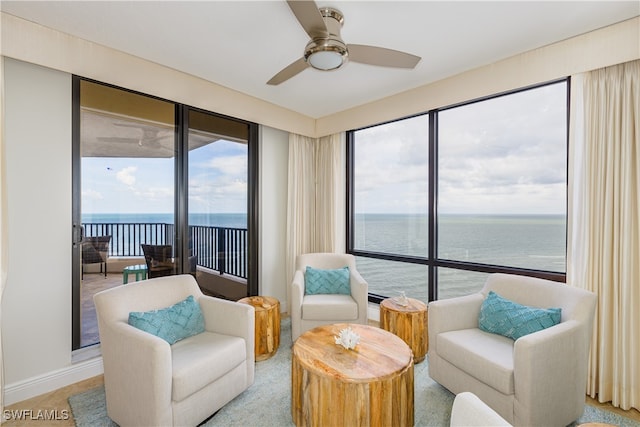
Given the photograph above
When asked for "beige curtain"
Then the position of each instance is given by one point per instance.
(316, 197)
(604, 231)
(3, 225)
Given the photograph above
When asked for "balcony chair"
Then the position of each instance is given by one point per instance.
(537, 380)
(95, 250)
(159, 260)
(149, 381)
(310, 308)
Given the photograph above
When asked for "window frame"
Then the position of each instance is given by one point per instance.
(431, 260)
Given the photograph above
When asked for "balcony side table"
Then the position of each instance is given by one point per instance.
(139, 270)
(409, 322)
(267, 325)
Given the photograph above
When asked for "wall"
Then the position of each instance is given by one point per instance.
(601, 48)
(274, 158)
(36, 304)
(36, 44)
(40, 45)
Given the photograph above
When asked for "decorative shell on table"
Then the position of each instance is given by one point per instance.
(401, 300)
(347, 338)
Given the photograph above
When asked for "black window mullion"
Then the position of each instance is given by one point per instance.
(433, 205)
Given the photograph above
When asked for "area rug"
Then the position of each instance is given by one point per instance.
(268, 401)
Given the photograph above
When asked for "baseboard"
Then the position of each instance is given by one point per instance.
(51, 381)
(373, 312)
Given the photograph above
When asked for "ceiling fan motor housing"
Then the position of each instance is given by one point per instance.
(330, 52)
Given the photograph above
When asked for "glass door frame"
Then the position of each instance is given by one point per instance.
(181, 196)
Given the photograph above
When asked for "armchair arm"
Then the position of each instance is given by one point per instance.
(360, 293)
(231, 318)
(297, 294)
(453, 314)
(227, 317)
(137, 368)
(553, 361)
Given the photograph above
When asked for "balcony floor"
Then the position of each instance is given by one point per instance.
(90, 285)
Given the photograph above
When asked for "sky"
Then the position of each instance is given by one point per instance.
(506, 155)
(217, 182)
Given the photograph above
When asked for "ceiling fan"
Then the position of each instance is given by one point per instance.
(327, 51)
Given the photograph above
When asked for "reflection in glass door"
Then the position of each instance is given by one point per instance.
(127, 181)
(217, 204)
(159, 188)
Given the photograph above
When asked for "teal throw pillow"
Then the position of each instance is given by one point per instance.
(501, 316)
(172, 324)
(317, 281)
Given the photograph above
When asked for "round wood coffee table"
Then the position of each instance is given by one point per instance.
(369, 385)
(409, 322)
(267, 325)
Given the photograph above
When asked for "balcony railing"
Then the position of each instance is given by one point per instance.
(222, 249)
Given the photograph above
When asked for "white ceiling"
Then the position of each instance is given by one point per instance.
(242, 44)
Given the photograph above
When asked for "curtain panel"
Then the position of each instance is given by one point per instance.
(604, 230)
(316, 197)
(3, 224)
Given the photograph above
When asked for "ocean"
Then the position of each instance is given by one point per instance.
(230, 220)
(527, 241)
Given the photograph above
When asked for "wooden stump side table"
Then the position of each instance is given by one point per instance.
(408, 322)
(267, 328)
(371, 385)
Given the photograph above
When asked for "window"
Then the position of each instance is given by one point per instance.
(492, 197)
(390, 204)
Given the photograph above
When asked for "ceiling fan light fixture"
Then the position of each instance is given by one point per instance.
(326, 54)
(326, 51)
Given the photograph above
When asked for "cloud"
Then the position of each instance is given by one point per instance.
(126, 175)
(155, 193)
(502, 155)
(235, 165)
(92, 194)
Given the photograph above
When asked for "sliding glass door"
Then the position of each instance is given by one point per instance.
(127, 157)
(159, 188)
(217, 204)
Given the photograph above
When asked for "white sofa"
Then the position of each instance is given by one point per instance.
(538, 379)
(150, 382)
(310, 311)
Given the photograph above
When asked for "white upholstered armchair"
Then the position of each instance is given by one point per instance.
(537, 380)
(151, 382)
(310, 311)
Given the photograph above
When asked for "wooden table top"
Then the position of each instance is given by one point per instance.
(260, 302)
(378, 355)
(412, 305)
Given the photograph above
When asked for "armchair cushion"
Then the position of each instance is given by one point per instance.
(202, 359)
(504, 317)
(486, 356)
(323, 281)
(172, 324)
(329, 307)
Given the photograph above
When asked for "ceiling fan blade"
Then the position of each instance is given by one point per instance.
(381, 56)
(310, 18)
(288, 72)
